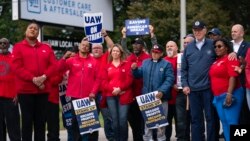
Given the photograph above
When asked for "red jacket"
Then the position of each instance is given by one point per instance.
(121, 77)
(137, 83)
(32, 61)
(54, 88)
(83, 76)
(247, 70)
(7, 77)
(173, 61)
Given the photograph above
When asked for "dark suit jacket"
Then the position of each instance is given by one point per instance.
(243, 49)
(242, 52)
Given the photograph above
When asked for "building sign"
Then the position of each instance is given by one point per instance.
(60, 43)
(64, 12)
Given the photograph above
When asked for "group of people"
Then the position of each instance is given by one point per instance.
(208, 77)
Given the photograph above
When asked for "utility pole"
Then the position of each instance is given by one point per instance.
(183, 22)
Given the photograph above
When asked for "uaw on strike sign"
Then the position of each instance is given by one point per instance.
(152, 110)
(86, 115)
(93, 27)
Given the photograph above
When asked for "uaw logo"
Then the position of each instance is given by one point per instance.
(34, 6)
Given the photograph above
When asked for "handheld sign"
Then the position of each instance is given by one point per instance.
(152, 110)
(65, 102)
(86, 115)
(178, 77)
(93, 27)
(137, 27)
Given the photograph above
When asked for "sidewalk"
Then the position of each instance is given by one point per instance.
(63, 135)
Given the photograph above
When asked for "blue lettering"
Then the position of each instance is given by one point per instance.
(83, 103)
(96, 19)
(147, 98)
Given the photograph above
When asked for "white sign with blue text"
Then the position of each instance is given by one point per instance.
(152, 110)
(93, 27)
(86, 115)
(65, 12)
(137, 27)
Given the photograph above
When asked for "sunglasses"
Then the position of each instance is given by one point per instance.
(3, 43)
(218, 46)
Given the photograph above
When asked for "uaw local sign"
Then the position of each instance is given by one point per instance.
(62, 12)
(137, 27)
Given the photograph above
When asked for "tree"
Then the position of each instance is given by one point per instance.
(13, 30)
(164, 15)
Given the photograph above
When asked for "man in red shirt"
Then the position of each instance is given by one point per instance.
(9, 111)
(172, 51)
(83, 80)
(137, 56)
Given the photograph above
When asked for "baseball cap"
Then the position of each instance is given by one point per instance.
(199, 25)
(157, 48)
(214, 31)
(138, 41)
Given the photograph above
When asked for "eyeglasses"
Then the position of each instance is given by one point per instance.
(218, 46)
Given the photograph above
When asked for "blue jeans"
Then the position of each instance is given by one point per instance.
(248, 97)
(107, 119)
(229, 116)
(119, 114)
(199, 101)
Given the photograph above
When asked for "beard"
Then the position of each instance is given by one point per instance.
(170, 53)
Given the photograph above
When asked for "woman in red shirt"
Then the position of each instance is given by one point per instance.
(34, 64)
(117, 80)
(247, 71)
(228, 94)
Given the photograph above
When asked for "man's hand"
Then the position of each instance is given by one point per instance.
(104, 33)
(151, 31)
(175, 87)
(92, 96)
(15, 100)
(186, 90)
(232, 56)
(124, 32)
(133, 66)
(159, 95)
(68, 54)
